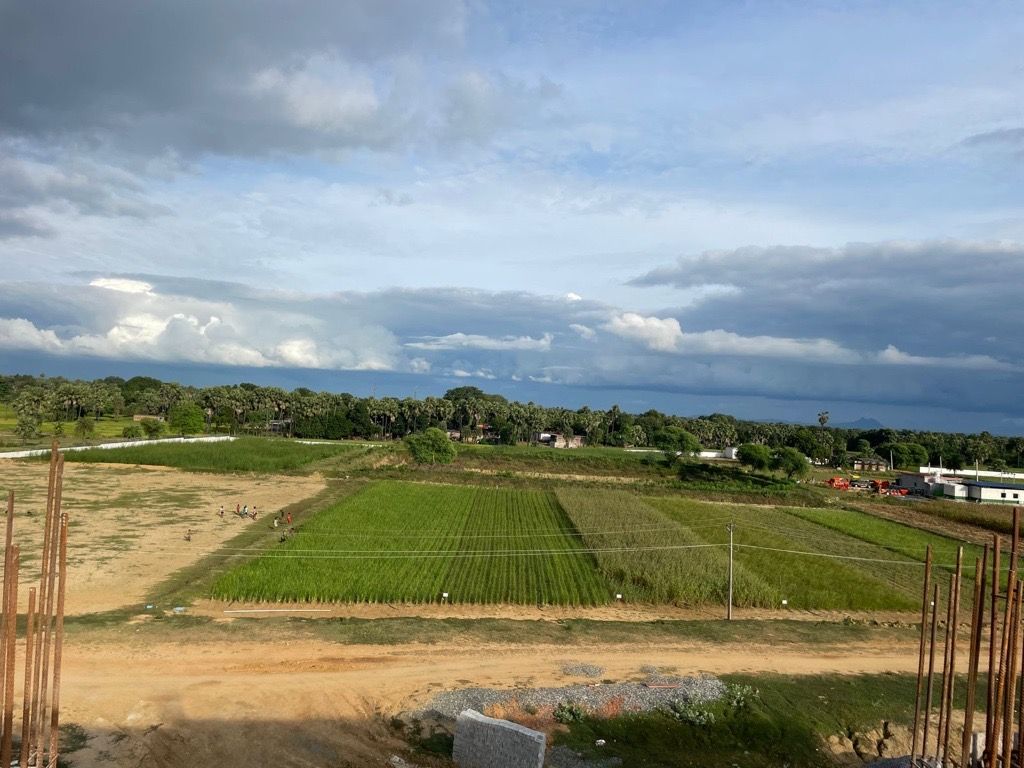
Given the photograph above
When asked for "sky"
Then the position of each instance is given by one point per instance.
(758, 208)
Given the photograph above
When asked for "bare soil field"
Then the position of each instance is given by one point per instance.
(128, 523)
(311, 702)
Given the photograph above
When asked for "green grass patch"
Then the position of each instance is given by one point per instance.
(650, 558)
(770, 543)
(411, 542)
(588, 461)
(896, 537)
(246, 454)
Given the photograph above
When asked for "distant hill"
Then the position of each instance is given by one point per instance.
(863, 423)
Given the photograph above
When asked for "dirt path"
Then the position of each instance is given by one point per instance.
(127, 523)
(311, 702)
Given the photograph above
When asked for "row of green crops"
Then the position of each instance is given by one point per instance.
(809, 565)
(650, 558)
(411, 542)
(246, 454)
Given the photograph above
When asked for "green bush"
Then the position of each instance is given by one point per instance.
(692, 714)
(431, 447)
(152, 427)
(132, 432)
(570, 712)
(85, 427)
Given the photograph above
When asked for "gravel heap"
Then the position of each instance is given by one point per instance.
(635, 697)
(582, 670)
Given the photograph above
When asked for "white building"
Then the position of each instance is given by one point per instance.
(994, 493)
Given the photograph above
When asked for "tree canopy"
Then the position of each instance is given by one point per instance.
(432, 446)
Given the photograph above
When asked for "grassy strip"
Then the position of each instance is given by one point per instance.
(411, 542)
(805, 581)
(568, 633)
(596, 460)
(896, 537)
(247, 454)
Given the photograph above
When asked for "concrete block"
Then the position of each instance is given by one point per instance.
(486, 742)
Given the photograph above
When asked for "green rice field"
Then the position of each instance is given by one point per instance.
(409, 542)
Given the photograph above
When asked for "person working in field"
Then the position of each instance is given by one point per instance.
(188, 535)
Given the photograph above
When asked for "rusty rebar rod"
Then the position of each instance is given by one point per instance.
(30, 621)
(977, 626)
(951, 673)
(58, 647)
(997, 721)
(47, 627)
(11, 595)
(921, 651)
(1011, 675)
(42, 618)
(990, 708)
(947, 644)
(8, 540)
(931, 671)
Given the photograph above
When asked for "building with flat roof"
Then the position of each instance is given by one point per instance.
(994, 493)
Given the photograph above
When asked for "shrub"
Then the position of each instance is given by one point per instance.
(757, 457)
(740, 696)
(431, 447)
(152, 427)
(132, 432)
(570, 712)
(690, 713)
(85, 427)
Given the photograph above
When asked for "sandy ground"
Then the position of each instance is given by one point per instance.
(127, 523)
(311, 702)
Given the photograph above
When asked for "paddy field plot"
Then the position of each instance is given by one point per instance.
(409, 542)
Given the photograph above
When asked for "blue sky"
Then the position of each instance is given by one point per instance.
(759, 208)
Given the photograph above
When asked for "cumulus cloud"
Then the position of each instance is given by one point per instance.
(585, 331)
(141, 323)
(659, 334)
(124, 285)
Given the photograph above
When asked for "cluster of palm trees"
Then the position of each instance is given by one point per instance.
(469, 411)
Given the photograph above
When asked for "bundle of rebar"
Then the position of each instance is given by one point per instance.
(44, 636)
(1001, 743)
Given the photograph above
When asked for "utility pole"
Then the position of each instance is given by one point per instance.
(728, 614)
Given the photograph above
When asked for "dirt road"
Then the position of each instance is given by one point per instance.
(310, 702)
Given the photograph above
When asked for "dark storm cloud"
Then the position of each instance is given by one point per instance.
(929, 299)
(235, 76)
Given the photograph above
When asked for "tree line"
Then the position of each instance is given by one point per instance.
(472, 413)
